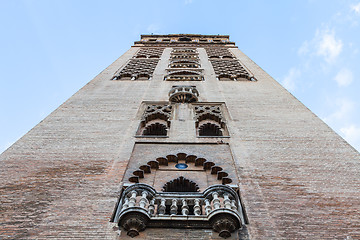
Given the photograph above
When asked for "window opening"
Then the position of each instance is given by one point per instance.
(180, 184)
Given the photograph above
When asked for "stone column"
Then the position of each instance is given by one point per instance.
(227, 201)
(216, 200)
(162, 207)
(132, 200)
(173, 208)
(184, 208)
(197, 208)
(152, 207)
(143, 200)
(207, 206)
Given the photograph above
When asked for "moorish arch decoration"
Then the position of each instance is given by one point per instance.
(184, 75)
(183, 94)
(149, 52)
(180, 184)
(137, 69)
(184, 65)
(215, 170)
(155, 120)
(210, 121)
(184, 51)
(180, 204)
(218, 53)
(218, 208)
(230, 70)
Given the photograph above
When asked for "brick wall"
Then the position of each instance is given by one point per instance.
(298, 179)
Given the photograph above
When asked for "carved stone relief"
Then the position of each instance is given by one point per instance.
(184, 75)
(155, 121)
(221, 175)
(230, 70)
(137, 69)
(219, 52)
(141, 206)
(184, 65)
(209, 121)
(183, 94)
(149, 53)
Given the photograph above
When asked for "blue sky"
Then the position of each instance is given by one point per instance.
(50, 49)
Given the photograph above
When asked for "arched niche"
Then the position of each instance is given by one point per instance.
(180, 184)
(198, 169)
(210, 129)
(155, 121)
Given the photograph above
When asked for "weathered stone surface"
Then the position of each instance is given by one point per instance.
(298, 179)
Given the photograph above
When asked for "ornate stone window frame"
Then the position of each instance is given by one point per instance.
(211, 113)
(139, 69)
(182, 74)
(154, 113)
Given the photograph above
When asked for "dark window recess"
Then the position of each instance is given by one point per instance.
(210, 129)
(185, 39)
(180, 184)
(156, 129)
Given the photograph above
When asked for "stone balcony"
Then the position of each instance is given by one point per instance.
(183, 94)
(141, 206)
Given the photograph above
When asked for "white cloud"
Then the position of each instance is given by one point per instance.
(289, 81)
(153, 28)
(327, 45)
(352, 135)
(188, 1)
(324, 44)
(344, 77)
(344, 108)
(356, 8)
(304, 49)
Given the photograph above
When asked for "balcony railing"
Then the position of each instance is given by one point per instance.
(218, 207)
(183, 94)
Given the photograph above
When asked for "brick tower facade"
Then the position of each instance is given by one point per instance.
(182, 137)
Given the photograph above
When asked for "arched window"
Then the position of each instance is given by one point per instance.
(155, 121)
(155, 129)
(212, 203)
(210, 121)
(180, 184)
(210, 129)
(183, 75)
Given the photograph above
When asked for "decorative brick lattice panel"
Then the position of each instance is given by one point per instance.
(185, 50)
(218, 53)
(209, 121)
(149, 53)
(154, 111)
(155, 120)
(186, 59)
(230, 69)
(184, 64)
(137, 69)
(184, 54)
(214, 110)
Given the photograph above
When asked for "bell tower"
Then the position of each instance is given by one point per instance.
(182, 137)
(186, 186)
